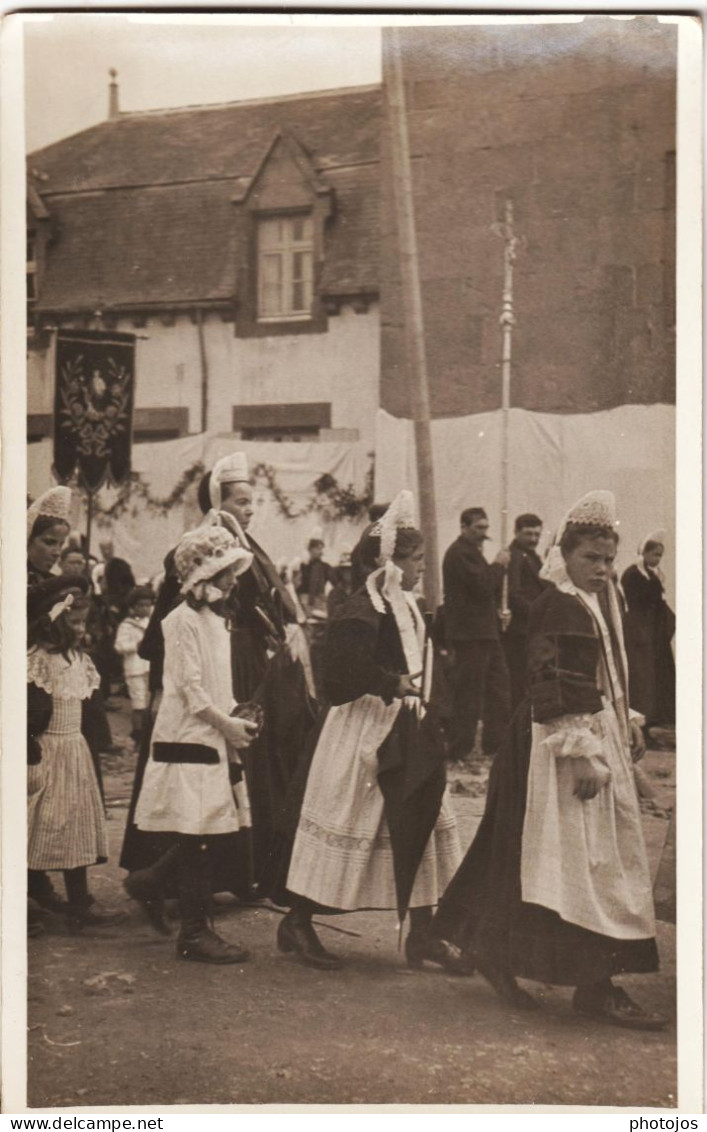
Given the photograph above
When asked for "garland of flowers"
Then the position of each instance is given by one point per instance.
(135, 489)
(330, 499)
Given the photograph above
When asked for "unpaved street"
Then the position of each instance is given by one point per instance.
(114, 1019)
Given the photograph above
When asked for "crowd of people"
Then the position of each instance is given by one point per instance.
(294, 723)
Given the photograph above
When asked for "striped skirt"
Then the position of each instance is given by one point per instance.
(65, 821)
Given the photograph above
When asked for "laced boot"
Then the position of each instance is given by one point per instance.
(197, 941)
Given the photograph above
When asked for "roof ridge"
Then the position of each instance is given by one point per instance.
(265, 100)
(220, 178)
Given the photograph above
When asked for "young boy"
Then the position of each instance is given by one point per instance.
(136, 670)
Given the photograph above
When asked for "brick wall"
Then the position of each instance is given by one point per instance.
(576, 123)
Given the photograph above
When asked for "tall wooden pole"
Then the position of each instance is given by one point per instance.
(394, 86)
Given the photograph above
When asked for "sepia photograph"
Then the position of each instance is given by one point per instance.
(353, 403)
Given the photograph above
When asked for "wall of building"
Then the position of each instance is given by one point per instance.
(576, 124)
(340, 366)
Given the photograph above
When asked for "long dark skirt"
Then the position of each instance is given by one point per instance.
(277, 765)
(651, 665)
(482, 910)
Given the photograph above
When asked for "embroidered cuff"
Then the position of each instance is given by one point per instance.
(573, 736)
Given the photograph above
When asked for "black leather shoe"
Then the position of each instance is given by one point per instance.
(617, 1008)
(420, 947)
(506, 987)
(93, 916)
(301, 938)
(207, 947)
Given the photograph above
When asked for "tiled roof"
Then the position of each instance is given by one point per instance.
(144, 208)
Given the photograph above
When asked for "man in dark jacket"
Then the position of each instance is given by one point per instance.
(524, 586)
(472, 588)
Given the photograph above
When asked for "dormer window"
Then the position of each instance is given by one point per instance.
(280, 245)
(285, 267)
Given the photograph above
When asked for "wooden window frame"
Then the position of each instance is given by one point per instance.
(248, 324)
(285, 250)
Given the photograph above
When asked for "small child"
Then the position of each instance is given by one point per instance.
(135, 670)
(66, 823)
(193, 787)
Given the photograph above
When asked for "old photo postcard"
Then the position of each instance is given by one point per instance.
(352, 562)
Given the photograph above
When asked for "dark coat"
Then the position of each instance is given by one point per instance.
(649, 625)
(563, 657)
(524, 587)
(363, 654)
(472, 588)
(315, 575)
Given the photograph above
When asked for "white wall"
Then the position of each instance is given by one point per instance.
(340, 366)
(554, 460)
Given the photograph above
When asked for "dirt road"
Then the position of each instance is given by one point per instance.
(114, 1019)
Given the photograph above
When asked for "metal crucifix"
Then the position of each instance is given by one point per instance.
(507, 322)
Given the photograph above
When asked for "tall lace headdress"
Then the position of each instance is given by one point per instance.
(595, 509)
(54, 504)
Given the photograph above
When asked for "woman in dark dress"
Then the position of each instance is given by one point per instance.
(556, 885)
(375, 827)
(649, 626)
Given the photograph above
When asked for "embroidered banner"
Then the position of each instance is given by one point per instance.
(93, 406)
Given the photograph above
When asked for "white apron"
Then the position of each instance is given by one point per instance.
(587, 860)
(342, 855)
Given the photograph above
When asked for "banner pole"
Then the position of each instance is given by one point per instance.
(89, 518)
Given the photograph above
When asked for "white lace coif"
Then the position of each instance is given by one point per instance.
(658, 536)
(595, 509)
(54, 504)
(399, 516)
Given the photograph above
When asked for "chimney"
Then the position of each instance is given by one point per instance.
(113, 107)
